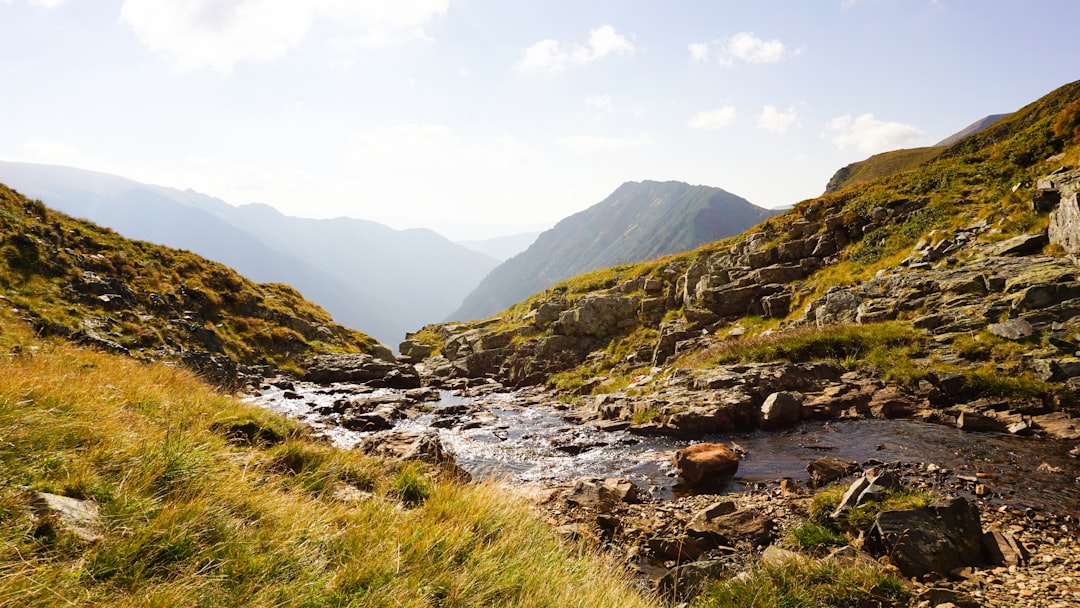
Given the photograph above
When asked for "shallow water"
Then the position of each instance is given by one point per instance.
(522, 444)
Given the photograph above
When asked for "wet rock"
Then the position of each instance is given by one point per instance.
(827, 469)
(780, 409)
(78, 517)
(703, 462)
(936, 539)
(972, 421)
(379, 419)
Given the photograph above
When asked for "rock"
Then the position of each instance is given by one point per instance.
(597, 316)
(827, 469)
(1058, 424)
(731, 528)
(704, 462)
(413, 351)
(1002, 548)
(775, 556)
(1025, 244)
(423, 445)
(679, 549)
(936, 539)
(866, 488)
(361, 367)
(972, 421)
(602, 494)
(79, 517)
(687, 581)
(1013, 329)
(780, 409)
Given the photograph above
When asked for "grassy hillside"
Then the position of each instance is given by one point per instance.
(189, 518)
(70, 277)
(880, 165)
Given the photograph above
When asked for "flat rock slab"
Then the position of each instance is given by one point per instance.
(80, 517)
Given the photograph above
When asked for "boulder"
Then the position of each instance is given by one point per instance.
(361, 367)
(422, 445)
(687, 581)
(1025, 244)
(827, 469)
(728, 529)
(936, 539)
(973, 421)
(603, 494)
(413, 351)
(704, 462)
(1013, 329)
(781, 409)
(1003, 549)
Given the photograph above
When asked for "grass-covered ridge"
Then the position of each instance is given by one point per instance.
(190, 519)
(73, 278)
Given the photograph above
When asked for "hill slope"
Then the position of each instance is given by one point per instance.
(945, 250)
(639, 221)
(369, 276)
(73, 278)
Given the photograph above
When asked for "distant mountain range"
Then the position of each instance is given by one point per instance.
(637, 222)
(368, 276)
(502, 247)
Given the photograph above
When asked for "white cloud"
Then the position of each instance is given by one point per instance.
(747, 47)
(385, 23)
(777, 121)
(589, 144)
(870, 135)
(699, 51)
(554, 56)
(713, 119)
(600, 103)
(218, 34)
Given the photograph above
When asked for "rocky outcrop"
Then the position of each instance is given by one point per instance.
(359, 367)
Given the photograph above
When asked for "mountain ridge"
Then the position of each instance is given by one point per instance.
(638, 221)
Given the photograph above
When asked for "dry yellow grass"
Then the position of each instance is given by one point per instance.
(191, 520)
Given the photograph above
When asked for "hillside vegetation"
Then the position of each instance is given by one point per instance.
(72, 278)
(904, 247)
(205, 501)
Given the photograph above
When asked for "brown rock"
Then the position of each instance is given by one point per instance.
(704, 461)
(827, 469)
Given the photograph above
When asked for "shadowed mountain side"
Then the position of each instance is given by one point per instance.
(639, 221)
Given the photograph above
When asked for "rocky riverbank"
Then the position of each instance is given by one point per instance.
(666, 530)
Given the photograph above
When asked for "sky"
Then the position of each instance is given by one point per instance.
(480, 118)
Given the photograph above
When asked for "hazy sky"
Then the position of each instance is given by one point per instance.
(483, 117)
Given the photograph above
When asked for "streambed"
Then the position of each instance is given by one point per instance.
(505, 437)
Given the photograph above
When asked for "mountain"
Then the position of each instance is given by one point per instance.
(975, 127)
(369, 276)
(952, 283)
(75, 279)
(897, 161)
(639, 221)
(503, 247)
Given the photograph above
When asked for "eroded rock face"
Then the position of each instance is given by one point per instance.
(706, 462)
(359, 367)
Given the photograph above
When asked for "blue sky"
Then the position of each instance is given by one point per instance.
(484, 117)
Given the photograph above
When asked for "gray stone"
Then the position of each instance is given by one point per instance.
(936, 539)
(1013, 329)
(1025, 244)
(747, 525)
(780, 409)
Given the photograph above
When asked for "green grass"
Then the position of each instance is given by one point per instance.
(807, 583)
(844, 344)
(207, 501)
(811, 535)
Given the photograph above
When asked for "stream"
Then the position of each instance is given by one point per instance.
(497, 437)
